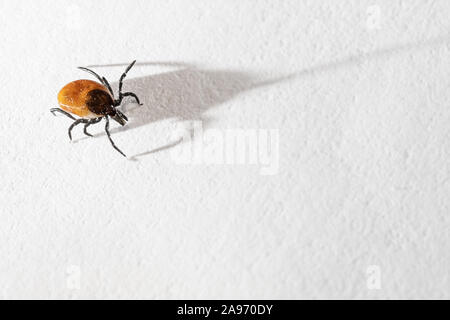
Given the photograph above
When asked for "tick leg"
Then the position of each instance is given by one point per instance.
(88, 124)
(53, 110)
(92, 72)
(106, 83)
(101, 79)
(109, 136)
(131, 94)
(85, 130)
(123, 77)
(77, 122)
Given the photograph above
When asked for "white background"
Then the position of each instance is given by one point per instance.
(359, 93)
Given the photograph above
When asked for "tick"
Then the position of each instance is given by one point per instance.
(92, 101)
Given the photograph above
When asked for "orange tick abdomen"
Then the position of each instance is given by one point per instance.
(74, 97)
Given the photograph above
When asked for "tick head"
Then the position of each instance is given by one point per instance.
(119, 117)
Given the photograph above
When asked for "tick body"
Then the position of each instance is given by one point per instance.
(92, 102)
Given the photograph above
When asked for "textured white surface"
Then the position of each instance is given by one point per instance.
(359, 91)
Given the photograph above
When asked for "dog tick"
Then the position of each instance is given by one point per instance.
(92, 101)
